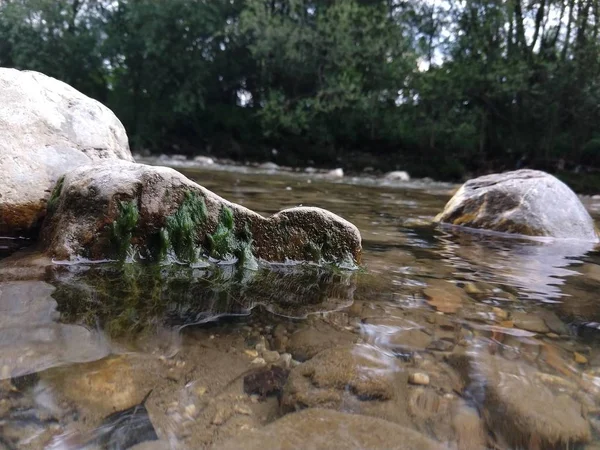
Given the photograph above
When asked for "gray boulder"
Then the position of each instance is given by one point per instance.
(114, 208)
(528, 202)
(46, 129)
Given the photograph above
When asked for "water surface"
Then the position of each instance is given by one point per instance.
(504, 329)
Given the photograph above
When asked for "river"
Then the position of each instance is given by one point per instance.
(471, 340)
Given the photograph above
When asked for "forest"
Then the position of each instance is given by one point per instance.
(444, 89)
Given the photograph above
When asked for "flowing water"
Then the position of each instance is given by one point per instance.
(472, 340)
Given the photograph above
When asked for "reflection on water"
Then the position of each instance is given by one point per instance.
(451, 339)
(537, 268)
(129, 297)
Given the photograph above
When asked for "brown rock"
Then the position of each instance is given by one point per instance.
(327, 430)
(90, 198)
(308, 341)
(530, 322)
(358, 378)
(526, 413)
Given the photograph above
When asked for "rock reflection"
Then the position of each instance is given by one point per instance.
(131, 297)
(536, 267)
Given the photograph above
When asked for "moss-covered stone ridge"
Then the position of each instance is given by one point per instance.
(526, 202)
(120, 210)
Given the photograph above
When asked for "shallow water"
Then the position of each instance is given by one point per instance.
(473, 340)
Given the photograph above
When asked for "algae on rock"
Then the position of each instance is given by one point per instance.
(53, 200)
(121, 230)
(181, 229)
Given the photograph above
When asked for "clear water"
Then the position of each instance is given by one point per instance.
(505, 329)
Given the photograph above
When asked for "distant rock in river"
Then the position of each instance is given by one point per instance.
(117, 209)
(46, 129)
(527, 202)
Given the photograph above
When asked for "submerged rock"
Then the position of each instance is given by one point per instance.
(325, 429)
(359, 379)
(114, 209)
(103, 386)
(524, 412)
(46, 129)
(528, 202)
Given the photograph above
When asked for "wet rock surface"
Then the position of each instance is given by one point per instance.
(325, 429)
(527, 202)
(132, 203)
(46, 129)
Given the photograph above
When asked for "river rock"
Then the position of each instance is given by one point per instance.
(308, 341)
(324, 429)
(528, 202)
(397, 175)
(90, 199)
(525, 412)
(103, 386)
(46, 129)
(357, 378)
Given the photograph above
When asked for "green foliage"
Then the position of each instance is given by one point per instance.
(55, 195)
(181, 229)
(474, 85)
(121, 230)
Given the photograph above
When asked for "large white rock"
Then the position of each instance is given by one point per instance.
(528, 202)
(46, 129)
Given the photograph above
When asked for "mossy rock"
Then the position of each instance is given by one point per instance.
(119, 210)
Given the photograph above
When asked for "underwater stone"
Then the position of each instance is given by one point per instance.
(91, 201)
(527, 202)
(46, 129)
(328, 430)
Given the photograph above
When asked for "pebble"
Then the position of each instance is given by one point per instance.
(243, 409)
(271, 356)
(219, 418)
(261, 347)
(251, 353)
(191, 410)
(529, 322)
(471, 288)
(258, 362)
(580, 359)
(280, 343)
(285, 360)
(200, 390)
(419, 378)
(500, 313)
(441, 345)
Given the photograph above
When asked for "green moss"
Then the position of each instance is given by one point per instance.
(181, 229)
(225, 244)
(244, 254)
(121, 230)
(53, 200)
(313, 252)
(222, 243)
